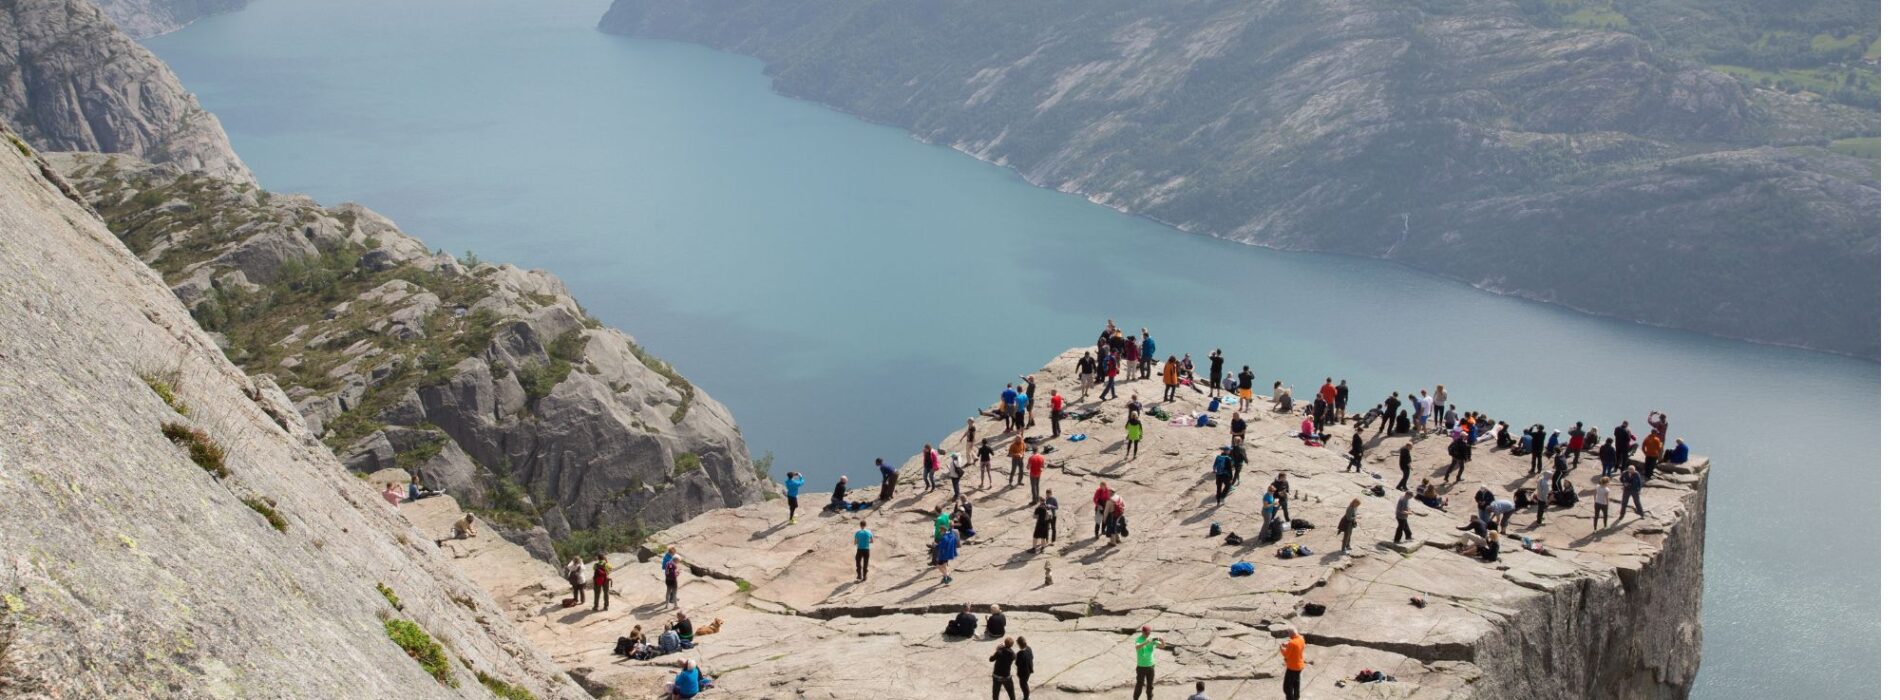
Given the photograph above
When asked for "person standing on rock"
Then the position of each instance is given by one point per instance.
(1110, 369)
(1405, 465)
(1403, 512)
(1028, 398)
(1348, 523)
(888, 489)
(1625, 442)
(670, 569)
(1085, 372)
(1018, 448)
(1355, 456)
(1652, 453)
(1237, 429)
(1102, 494)
(969, 438)
(1055, 413)
(1284, 492)
(1600, 512)
(1388, 418)
(1440, 404)
(1145, 643)
(1214, 361)
(1223, 476)
(930, 468)
(1170, 376)
(863, 538)
(1659, 423)
(1036, 462)
(1239, 457)
(1269, 517)
(1339, 401)
(603, 581)
(1606, 456)
(1003, 661)
(1543, 495)
(1632, 491)
(1134, 436)
(1245, 388)
(1537, 447)
(955, 472)
(1025, 664)
(946, 551)
(575, 580)
(1006, 408)
(1147, 354)
(793, 482)
(1293, 651)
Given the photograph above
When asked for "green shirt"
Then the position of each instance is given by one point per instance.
(943, 524)
(1144, 651)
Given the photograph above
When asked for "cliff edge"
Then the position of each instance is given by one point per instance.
(1609, 613)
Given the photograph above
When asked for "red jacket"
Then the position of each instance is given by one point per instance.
(1035, 466)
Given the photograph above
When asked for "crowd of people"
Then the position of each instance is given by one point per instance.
(1551, 457)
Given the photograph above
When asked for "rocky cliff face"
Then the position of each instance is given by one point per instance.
(172, 529)
(490, 381)
(1575, 166)
(70, 81)
(146, 18)
(1614, 613)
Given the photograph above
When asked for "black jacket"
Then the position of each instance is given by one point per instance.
(1025, 662)
(1004, 659)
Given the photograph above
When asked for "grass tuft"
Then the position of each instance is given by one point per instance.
(204, 452)
(421, 647)
(264, 507)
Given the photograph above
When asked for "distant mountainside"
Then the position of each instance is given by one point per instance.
(144, 18)
(70, 81)
(489, 380)
(1495, 142)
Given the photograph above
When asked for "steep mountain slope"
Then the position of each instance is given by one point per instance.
(171, 530)
(1576, 166)
(490, 381)
(70, 81)
(144, 18)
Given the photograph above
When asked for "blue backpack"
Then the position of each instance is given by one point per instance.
(1240, 569)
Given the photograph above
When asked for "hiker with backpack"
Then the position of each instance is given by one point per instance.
(603, 581)
(955, 473)
(1223, 476)
(670, 568)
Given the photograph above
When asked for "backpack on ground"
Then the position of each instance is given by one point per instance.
(1240, 569)
(1302, 524)
(1233, 538)
(1312, 610)
(1213, 530)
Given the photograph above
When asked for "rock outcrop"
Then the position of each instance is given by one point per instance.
(1607, 614)
(172, 529)
(1580, 167)
(490, 381)
(148, 18)
(70, 81)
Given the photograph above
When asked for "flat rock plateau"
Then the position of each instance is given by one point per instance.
(1610, 613)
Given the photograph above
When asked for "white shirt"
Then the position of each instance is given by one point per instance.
(1603, 495)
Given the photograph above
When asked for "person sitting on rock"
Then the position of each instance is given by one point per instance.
(634, 645)
(689, 681)
(392, 494)
(1428, 495)
(669, 642)
(465, 528)
(964, 519)
(685, 629)
(837, 495)
(963, 626)
(1475, 531)
(996, 625)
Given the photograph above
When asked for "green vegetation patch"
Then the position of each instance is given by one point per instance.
(421, 647)
(204, 452)
(266, 508)
(163, 387)
(673, 379)
(587, 543)
(1864, 147)
(685, 463)
(389, 594)
(503, 689)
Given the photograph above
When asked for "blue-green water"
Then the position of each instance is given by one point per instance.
(793, 260)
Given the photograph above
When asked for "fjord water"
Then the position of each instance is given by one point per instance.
(851, 293)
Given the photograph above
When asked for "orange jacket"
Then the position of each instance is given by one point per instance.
(1295, 652)
(1171, 374)
(1652, 446)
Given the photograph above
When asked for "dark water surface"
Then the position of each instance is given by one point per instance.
(793, 260)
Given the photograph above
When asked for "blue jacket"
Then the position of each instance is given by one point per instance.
(1679, 454)
(792, 485)
(687, 682)
(1148, 348)
(1223, 464)
(1009, 397)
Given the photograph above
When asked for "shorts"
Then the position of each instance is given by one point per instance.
(792, 501)
(1246, 394)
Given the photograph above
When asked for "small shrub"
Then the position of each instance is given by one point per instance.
(266, 509)
(537, 381)
(587, 543)
(204, 452)
(163, 387)
(421, 647)
(685, 463)
(389, 595)
(503, 689)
